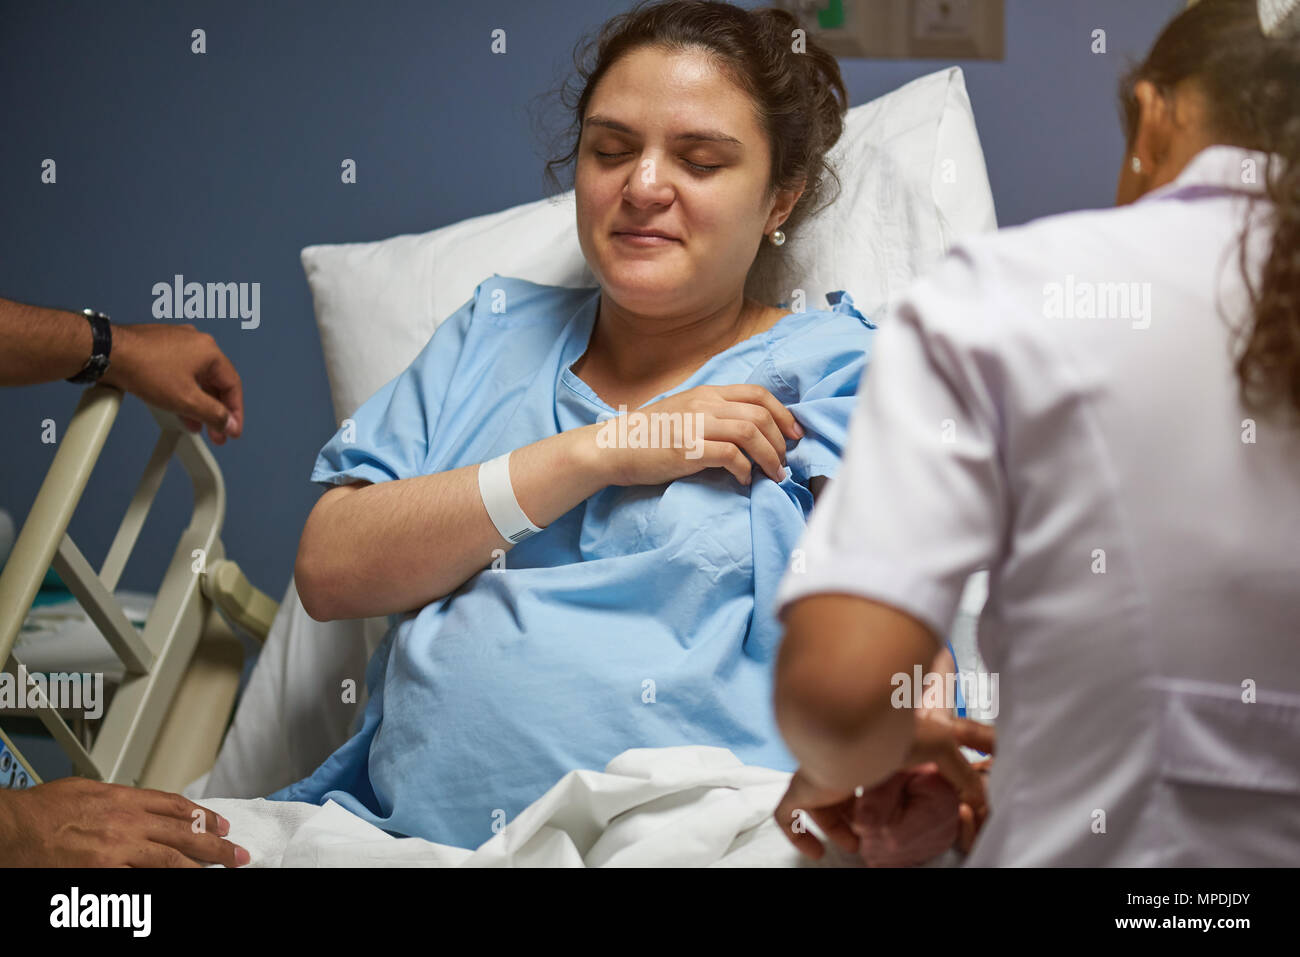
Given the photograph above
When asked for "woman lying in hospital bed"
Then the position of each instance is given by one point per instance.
(569, 587)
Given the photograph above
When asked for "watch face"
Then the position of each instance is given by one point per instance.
(95, 367)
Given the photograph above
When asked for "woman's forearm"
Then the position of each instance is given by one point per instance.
(396, 546)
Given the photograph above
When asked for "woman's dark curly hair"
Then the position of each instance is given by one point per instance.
(1251, 85)
(794, 83)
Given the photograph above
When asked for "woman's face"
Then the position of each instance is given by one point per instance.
(672, 184)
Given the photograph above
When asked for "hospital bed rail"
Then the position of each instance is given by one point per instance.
(166, 719)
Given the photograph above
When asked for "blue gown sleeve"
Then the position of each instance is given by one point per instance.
(817, 371)
(823, 369)
(388, 437)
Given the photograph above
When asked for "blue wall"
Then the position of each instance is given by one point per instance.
(222, 166)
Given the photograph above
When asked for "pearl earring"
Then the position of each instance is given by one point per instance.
(777, 238)
(1137, 165)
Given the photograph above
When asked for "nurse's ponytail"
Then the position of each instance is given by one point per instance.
(1251, 83)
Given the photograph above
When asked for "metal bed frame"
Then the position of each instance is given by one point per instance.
(168, 715)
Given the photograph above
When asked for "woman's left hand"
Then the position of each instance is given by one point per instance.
(830, 808)
(908, 819)
(914, 815)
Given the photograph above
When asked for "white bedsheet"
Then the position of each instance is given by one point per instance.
(663, 807)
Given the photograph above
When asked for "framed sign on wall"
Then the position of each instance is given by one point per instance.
(905, 29)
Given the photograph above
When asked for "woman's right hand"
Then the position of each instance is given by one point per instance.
(716, 426)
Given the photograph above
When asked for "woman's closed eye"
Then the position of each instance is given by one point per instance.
(690, 164)
(702, 167)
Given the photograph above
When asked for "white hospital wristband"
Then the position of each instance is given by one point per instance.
(499, 499)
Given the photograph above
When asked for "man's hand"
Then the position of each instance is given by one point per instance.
(182, 370)
(76, 822)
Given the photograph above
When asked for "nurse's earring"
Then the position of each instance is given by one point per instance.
(1137, 165)
(777, 238)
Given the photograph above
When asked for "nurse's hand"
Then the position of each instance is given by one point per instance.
(76, 822)
(710, 426)
(938, 738)
(938, 799)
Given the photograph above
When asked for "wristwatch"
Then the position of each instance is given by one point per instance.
(97, 364)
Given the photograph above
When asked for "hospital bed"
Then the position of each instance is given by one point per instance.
(176, 678)
(913, 181)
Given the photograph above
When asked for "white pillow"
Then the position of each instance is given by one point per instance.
(912, 180)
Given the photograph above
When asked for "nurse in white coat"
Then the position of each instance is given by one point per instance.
(1102, 409)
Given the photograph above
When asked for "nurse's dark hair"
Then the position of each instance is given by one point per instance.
(795, 84)
(1251, 86)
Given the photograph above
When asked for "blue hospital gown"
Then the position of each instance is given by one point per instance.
(643, 617)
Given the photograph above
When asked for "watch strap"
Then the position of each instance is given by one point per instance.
(102, 345)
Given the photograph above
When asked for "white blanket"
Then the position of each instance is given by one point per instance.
(661, 807)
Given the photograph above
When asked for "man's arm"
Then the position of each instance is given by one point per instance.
(41, 345)
(176, 368)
